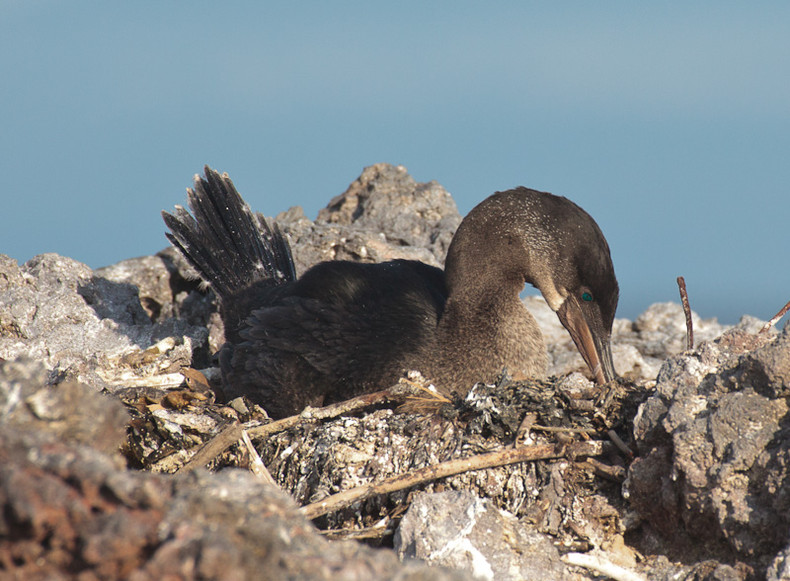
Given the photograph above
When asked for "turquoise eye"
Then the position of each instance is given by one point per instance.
(586, 297)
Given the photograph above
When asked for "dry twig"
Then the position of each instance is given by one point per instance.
(684, 298)
(381, 529)
(602, 565)
(613, 473)
(559, 429)
(396, 393)
(524, 428)
(214, 447)
(450, 468)
(232, 433)
(256, 464)
(425, 398)
(775, 319)
(622, 446)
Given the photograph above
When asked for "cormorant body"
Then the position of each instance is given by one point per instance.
(346, 328)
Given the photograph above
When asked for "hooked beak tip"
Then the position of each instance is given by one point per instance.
(595, 349)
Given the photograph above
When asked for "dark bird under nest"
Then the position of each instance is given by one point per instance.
(345, 328)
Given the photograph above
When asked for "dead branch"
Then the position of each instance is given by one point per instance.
(558, 429)
(256, 464)
(450, 468)
(214, 447)
(425, 398)
(775, 319)
(231, 434)
(684, 298)
(613, 473)
(396, 393)
(601, 564)
(524, 428)
(622, 446)
(381, 529)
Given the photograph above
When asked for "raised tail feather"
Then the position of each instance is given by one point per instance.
(225, 242)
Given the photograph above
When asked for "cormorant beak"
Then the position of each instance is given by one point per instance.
(591, 337)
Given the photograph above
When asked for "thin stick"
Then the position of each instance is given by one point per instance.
(684, 298)
(450, 468)
(396, 393)
(230, 435)
(776, 318)
(622, 446)
(601, 565)
(614, 473)
(214, 447)
(379, 530)
(256, 464)
(524, 428)
(558, 429)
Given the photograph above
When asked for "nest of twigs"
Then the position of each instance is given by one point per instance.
(544, 450)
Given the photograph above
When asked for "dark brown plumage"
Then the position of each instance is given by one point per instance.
(346, 328)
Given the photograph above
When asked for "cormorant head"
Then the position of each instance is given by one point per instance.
(554, 245)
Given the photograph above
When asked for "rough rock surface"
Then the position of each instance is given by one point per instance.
(383, 215)
(706, 497)
(386, 199)
(714, 445)
(71, 411)
(461, 531)
(71, 511)
(87, 327)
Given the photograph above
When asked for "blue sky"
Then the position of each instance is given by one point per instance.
(669, 122)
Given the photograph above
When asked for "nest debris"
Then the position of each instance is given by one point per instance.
(410, 431)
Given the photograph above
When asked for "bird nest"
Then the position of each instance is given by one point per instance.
(553, 452)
